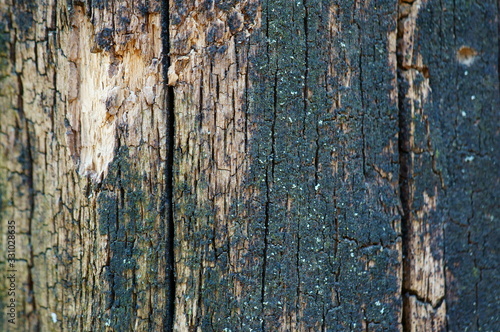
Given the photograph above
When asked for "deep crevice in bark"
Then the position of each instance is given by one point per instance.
(404, 190)
(169, 105)
(404, 173)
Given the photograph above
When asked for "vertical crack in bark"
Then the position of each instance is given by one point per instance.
(266, 221)
(404, 170)
(405, 201)
(298, 308)
(169, 211)
(306, 71)
(269, 182)
(362, 96)
(423, 280)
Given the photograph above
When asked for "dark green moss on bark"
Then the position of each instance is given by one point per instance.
(126, 214)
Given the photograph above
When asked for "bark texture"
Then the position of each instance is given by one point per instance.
(309, 165)
(286, 170)
(83, 134)
(449, 104)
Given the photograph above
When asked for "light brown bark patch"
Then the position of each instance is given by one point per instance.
(109, 87)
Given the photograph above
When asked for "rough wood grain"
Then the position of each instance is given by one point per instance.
(286, 197)
(311, 165)
(449, 98)
(83, 163)
(423, 272)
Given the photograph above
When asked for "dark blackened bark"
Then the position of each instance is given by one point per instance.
(457, 134)
(286, 208)
(333, 257)
(449, 97)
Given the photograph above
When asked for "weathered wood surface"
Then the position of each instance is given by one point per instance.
(450, 100)
(302, 165)
(286, 198)
(83, 131)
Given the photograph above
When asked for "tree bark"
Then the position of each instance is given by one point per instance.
(84, 153)
(250, 165)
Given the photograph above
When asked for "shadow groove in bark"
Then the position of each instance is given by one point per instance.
(168, 204)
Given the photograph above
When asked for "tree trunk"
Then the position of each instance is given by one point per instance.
(84, 169)
(249, 165)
